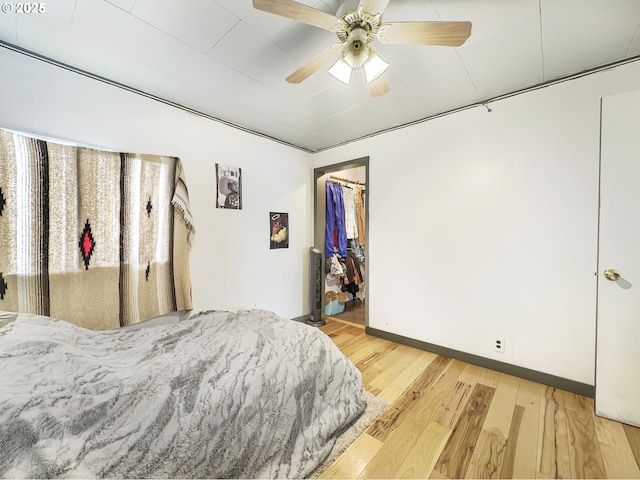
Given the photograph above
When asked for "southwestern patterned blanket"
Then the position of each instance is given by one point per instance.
(220, 395)
(98, 238)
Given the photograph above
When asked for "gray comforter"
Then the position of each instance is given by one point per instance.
(218, 395)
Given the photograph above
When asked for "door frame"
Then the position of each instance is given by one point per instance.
(319, 219)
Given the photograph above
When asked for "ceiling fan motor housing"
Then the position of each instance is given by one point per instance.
(359, 31)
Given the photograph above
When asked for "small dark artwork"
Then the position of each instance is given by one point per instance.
(149, 208)
(86, 244)
(279, 232)
(229, 187)
(147, 271)
(3, 287)
(3, 202)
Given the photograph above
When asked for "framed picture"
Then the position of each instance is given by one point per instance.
(228, 187)
(279, 232)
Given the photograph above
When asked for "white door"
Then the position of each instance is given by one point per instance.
(618, 331)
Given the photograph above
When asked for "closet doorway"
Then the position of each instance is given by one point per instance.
(342, 236)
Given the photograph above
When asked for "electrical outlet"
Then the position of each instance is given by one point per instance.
(499, 345)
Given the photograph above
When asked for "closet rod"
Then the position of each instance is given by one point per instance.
(333, 177)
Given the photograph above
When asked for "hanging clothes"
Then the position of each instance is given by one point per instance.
(356, 266)
(352, 280)
(335, 221)
(334, 267)
(353, 274)
(356, 250)
(350, 212)
(360, 218)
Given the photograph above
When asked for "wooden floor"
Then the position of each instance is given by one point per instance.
(353, 313)
(450, 419)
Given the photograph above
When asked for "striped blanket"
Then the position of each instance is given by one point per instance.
(96, 238)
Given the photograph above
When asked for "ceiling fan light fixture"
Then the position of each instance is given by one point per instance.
(341, 70)
(357, 24)
(357, 48)
(374, 66)
(356, 58)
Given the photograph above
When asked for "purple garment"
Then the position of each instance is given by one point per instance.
(335, 219)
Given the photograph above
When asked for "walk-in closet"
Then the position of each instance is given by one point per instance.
(341, 236)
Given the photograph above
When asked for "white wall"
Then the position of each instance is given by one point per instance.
(484, 225)
(231, 264)
(481, 225)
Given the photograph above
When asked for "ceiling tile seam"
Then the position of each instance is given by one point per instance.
(222, 38)
(73, 15)
(475, 87)
(466, 70)
(193, 111)
(171, 36)
(273, 92)
(328, 7)
(633, 40)
(237, 68)
(225, 8)
(118, 6)
(160, 49)
(435, 7)
(342, 112)
(154, 65)
(152, 61)
(321, 3)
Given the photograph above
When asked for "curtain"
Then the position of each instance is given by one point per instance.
(100, 239)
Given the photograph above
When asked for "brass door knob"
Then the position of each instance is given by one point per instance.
(611, 274)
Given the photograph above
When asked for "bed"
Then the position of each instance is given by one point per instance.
(96, 381)
(218, 395)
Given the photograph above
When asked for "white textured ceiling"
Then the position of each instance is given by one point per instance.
(227, 60)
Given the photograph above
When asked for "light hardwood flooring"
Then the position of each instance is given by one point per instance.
(450, 419)
(354, 313)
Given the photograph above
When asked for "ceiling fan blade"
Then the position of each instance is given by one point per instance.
(373, 7)
(300, 12)
(313, 65)
(378, 87)
(450, 34)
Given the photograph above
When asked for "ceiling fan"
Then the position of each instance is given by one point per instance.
(357, 24)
